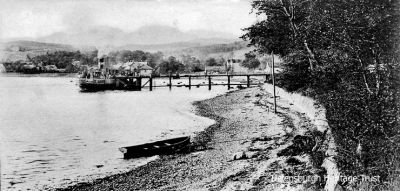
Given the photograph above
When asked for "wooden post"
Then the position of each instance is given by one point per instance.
(170, 81)
(248, 80)
(139, 82)
(190, 82)
(273, 80)
(229, 82)
(151, 83)
(209, 82)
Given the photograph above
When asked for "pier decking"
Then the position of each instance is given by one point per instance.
(150, 80)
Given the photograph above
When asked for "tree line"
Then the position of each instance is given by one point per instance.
(61, 59)
(346, 55)
(186, 63)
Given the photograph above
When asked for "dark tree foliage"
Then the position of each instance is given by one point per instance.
(192, 64)
(250, 61)
(64, 59)
(16, 66)
(154, 59)
(171, 66)
(197, 67)
(345, 54)
(212, 62)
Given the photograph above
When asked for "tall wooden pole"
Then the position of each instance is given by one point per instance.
(273, 80)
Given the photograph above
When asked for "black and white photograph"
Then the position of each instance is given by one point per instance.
(207, 95)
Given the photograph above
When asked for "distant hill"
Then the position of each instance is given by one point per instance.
(152, 38)
(152, 34)
(19, 50)
(176, 46)
(225, 50)
(201, 50)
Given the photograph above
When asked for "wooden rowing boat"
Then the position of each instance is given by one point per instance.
(164, 147)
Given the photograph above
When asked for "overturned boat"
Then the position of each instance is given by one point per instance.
(164, 147)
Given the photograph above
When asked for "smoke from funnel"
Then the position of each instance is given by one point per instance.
(103, 50)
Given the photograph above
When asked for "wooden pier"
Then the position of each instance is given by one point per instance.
(150, 82)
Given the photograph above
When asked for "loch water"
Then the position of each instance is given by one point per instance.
(53, 135)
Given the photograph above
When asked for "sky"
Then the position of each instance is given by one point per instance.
(37, 18)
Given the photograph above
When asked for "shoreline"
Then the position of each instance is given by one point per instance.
(247, 145)
(198, 141)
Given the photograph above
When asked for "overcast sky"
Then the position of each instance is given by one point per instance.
(35, 18)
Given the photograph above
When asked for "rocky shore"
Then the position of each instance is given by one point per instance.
(248, 148)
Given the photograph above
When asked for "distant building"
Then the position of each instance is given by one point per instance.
(76, 63)
(2, 68)
(145, 70)
(51, 68)
(116, 68)
(141, 68)
(133, 68)
(215, 69)
(234, 66)
(278, 68)
(29, 66)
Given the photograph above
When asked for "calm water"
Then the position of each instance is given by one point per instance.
(53, 135)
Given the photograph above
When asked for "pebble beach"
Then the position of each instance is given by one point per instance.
(248, 148)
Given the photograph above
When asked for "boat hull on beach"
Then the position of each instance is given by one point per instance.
(164, 147)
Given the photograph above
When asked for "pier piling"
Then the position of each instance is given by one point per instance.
(209, 82)
(229, 82)
(151, 83)
(139, 83)
(170, 81)
(190, 82)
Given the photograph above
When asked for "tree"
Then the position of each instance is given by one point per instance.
(221, 61)
(197, 67)
(211, 62)
(328, 34)
(346, 54)
(250, 61)
(171, 66)
(62, 59)
(192, 64)
(285, 28)
(154, 59)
